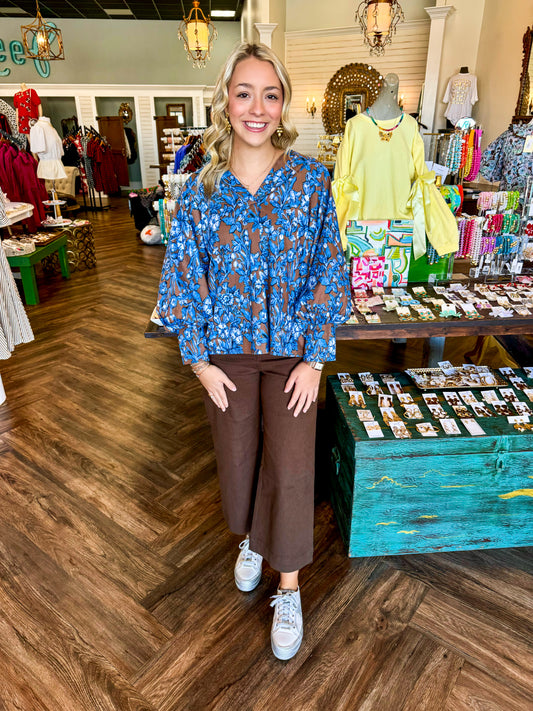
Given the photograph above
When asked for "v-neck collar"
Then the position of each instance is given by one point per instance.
(269, 181)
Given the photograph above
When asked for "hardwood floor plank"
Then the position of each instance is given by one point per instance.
(480, 580)
(73, 533)
(480, 638)
(101, 481)
(476, 690)
(75, 675)
(95, 433)
(20, 688)
(126, 634)
(417, 674)
(435, 682)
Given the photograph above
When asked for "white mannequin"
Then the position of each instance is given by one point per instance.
(386, 106)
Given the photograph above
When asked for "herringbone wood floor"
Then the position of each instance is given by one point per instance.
(116, 588)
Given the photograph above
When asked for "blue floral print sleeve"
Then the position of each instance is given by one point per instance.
(257, 274)
(505, 160)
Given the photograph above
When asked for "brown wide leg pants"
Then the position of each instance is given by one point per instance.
(266, 460)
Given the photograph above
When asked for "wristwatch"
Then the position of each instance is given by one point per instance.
(315, 364)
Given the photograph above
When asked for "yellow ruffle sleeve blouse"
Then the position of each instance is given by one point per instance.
(389, 180)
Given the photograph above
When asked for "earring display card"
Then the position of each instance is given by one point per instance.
(373, 430)
(450, 426)
(371, 404)
(473, 427)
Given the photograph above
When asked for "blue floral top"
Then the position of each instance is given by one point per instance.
(506, 161)
(257, 274)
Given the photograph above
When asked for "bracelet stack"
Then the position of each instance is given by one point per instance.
(200, 367)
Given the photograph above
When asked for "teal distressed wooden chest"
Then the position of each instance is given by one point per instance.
(422, 495)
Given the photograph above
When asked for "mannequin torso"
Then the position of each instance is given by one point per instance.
(386, 107)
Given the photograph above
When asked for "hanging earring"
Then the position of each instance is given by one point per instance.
(280, 130)
(227, 124)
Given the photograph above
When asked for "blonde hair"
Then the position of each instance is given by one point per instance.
(218, 142)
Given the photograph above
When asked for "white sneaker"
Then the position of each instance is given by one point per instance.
(248, 567)
(287, 627)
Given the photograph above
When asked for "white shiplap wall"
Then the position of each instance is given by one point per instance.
(145, 110)
(86, 110)
(313, 57)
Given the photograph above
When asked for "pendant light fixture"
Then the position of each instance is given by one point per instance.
(40, 38)
(198, 34)
(378, 19)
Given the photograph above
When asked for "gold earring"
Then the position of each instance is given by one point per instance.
(227, 124)
(280, 130)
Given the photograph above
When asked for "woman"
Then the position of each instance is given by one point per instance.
(253, 284)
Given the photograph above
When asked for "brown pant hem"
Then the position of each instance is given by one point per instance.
(280, 565)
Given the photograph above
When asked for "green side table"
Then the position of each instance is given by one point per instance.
(26, 263)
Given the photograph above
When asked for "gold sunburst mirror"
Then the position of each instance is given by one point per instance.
(352, 89)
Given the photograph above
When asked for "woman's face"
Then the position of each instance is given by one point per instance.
(255, 103)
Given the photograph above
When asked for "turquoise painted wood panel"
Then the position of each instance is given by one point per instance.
(393, 497)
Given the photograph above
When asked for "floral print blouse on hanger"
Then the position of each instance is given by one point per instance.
(257, 274)
(506, 161)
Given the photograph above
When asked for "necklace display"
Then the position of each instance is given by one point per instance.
(385, 134)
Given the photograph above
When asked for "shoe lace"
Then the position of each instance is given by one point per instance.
(286, 607)
(249, 558)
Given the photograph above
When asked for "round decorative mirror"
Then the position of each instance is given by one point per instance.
(126, 112)
(350, 91)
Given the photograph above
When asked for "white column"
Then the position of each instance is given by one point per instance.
(265, 30)
(438, 17)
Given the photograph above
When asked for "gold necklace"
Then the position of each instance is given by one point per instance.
(385, 134)
(248, 185)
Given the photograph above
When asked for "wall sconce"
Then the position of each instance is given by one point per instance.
(378, 19)
(311, 109)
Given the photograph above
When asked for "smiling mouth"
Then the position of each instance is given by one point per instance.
(255, 125)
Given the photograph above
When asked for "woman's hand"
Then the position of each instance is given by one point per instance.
(213, 379)
(305, 381)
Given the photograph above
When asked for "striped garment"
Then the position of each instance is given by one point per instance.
(14, 324)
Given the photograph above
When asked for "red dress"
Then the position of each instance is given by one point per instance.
(27, 102)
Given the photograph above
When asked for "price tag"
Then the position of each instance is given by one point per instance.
(528, 145)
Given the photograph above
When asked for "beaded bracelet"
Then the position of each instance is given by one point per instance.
(453, 155)
(484, 201)
(462, 224)
(476, 159)
(432, 256)
(200, 367)
(513, 199)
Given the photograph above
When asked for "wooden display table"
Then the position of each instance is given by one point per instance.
(427, 494)
(435, 332)
(26, 263)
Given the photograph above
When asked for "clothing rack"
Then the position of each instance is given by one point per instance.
(19, 143)
(95, 199)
